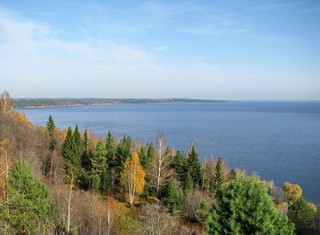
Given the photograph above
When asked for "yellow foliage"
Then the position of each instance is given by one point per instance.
(23, 119)
(313, 207)
(292, 191)
(132, 177)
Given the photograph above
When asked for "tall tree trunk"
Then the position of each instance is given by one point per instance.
(69, 204)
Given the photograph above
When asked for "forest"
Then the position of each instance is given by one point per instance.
(55, 102)
(55, 181)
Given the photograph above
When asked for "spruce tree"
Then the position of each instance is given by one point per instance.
(98, 159)
(188, 183)
(85, 156)
(218, 178)
(28, 210)
(111, 148)
(123, 153)
(173, 197)
(144, 160)
(151, 152)
(71, 156)
(180, 165)
(194, 166)
(246, 208)
(77, 137)
(50, 129)
(98, 166)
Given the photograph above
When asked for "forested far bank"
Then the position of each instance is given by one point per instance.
(92, 185)
(59, 102)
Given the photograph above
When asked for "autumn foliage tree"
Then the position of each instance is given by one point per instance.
(292, 191)
(6, 103)
(132, 177)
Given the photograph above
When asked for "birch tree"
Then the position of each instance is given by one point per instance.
(132, 177)
(6, 103)
(156, 219)
(160, 171)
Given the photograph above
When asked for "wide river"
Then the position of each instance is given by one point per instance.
(279, 141)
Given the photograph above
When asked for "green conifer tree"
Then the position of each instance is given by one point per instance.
(246, 208)
(218, 178)
(123, 152)
(180, 165)
(28, 210)
(85, 162)
(50, 129)
(70, 152)
(301, 215)
(173, 197)
(194, 166)
(98, 159)
(98, 165)
(111, 147)
(77, 137)
(151, 152)
(144, 160)
(188, 183)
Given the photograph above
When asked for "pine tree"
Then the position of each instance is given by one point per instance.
(98, 165)
(28, 211)
(98, 159)
(218, 178)
(194, 166)
(246, 208)
(301, 215)
(50, 129)
(70, 152)
(173, 197)
(144, 160)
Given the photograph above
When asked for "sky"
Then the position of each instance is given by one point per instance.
(224, 50)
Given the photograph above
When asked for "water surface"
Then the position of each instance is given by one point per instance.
(280, 141)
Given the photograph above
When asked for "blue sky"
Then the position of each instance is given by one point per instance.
(238, 49)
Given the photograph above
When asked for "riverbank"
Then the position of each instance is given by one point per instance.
(70, 102)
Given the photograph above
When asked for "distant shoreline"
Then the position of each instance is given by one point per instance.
(70, 102)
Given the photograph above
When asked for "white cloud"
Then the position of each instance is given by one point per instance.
(161, 48)
(35, 62)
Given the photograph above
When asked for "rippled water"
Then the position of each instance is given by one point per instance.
(280, 141)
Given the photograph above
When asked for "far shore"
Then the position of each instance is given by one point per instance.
(66, 102)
